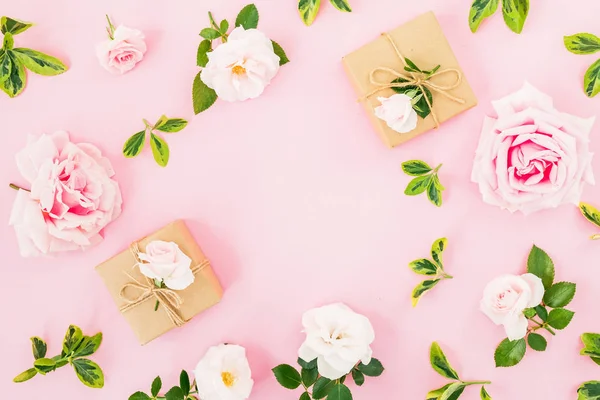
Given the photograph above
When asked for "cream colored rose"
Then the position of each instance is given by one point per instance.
(224, 374)
(397, 112)
(164, 261)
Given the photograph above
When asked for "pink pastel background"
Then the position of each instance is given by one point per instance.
(295, 199)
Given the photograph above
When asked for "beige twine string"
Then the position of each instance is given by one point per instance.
(416, 79)
(168, 298)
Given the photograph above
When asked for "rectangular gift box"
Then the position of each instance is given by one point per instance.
(423, 42)
(146, 323)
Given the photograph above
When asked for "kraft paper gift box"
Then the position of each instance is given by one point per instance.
(129, 287)
(423, 42)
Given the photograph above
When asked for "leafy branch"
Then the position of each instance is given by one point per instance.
(586, 43)
(592, 214)
(181, 392)
(433, 268)
(420, 104)
(514, 12)
(309, 9)
(75, 348)
(426, 180)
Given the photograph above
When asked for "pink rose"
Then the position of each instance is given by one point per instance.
(72, 196)
(397, 112)
(164, 261)
(505, 298)
(532, 157)
(123, 52)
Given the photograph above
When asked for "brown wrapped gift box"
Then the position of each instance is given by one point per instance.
(422, 41)
(148, 324)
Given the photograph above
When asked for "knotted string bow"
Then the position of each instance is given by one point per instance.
(417, 79)
(168, 298)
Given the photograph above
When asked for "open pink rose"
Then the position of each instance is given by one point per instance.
(72, 196)
(123, 52)
(532, 157)
(164, 261)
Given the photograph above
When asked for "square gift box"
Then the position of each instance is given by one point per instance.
(422, 42)
(131, 290)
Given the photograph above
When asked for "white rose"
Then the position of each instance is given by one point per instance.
(242, 67)
(224, 374)
(338, 338)
(397, 111)
(166, 262)
(505, 298)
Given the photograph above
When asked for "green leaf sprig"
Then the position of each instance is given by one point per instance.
(453, 390)
(586, 43)
(76, 346)
(592, 214)
(514, 12)
(417, 93)
(556, 297)
(589, 391)
(591, 346)
(160, 149)
(426, 180)
(309, 9)
(181, 392)
(204, 97)
(317, 387)
(13, 61)
(433, 268)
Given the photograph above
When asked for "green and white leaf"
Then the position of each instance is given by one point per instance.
(541, 265)
(341, 5)
(591, 80)
(283, 59)
(38, 347)
(421, 107)
(421, 289)
(89, 345)
(8, 42)
(418, 185)
(171, 125)
(510, 353)
(434, 191)
(437, 248)
(515, 13)
(203, 97)
(287, 376)
(89, 373)
(560, 318)
(589, 391)
(40, 63)
(13, 26)
(308, 10)
(248, 17)
(73, 339)
(416, 167)
(134, 145)
(590, 212)
(160, 150)
(440, 363)
(560, 294)
(480, 10)
(591, 343)
(44, 365)
(582, 43)
(13, 79)
(437, 393)
(25, 375)
(452, 390)
(423, 267)
(484, 394)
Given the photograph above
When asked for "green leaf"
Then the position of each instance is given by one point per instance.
(8, 42)
(341, 5)
(89, 345)
(224, 26)
(582, 43)
(13, 78)
(560, 318)
(203, 96)
(89, 373)
(160, 150)
(13, 26)
(73, 339)
(305, 396)
(421, 289)
(542, 312)
(287, 376)
(374, 368)
(248, 17)
(40, 63)
(434, 191)
(25, 376)
(423, 267)
(418, 185)
(589, 391)
(416, 167)
(537, 342)
(174, 393)
(510, 353)
(560, 294)
(283, 59)
(307, 365)
(412, 65)
(156, 386)
(515, 13)
(39, 347)
(309, 376)
(60, 362)
(171, 125)
(452, 390)
(308, 10)
(44, 365)
(591, 81)
(339, 392)
(322, 388)
(134, 145)
(591, 343)
(421, 107)
(529, 312)
(140, 396)
(440, 363)
(358, 377)
(437, 393)
(541, 265)
(590, 212)
(210, 33)
(184, 383)
(480, 10)
(437, 248)
(202, 55)
(484, 394)
(212, 19)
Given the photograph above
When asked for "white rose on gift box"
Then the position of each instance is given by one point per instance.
(242, 67)
(397, 112)
(338, 338)
(224, 374)
(165, 262)
(505, 298)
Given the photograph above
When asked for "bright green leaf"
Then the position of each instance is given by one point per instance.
(423, 267)
(537, 342)
(13, 26)
(541, 265)
(418, 185)
(560, 294)
(134, 145)
(590, 212)
(515, 13)
(591, 343)
(440, 363)
(416, 167)
(510, 353)
(224, 26)
(210, 33)
(560, 318)
(287, 376)
(437, 248)
(25, 376)
(309, 376)
(322, 388)
(374, 368)
(156, 386)
(73, 339)
(40, 63)
(44, 365)
(8, 42)
(308, 10)
(341, 5)
(450, 392)
(160, 150)
(339, 392)
(421, 107)
(39, 347)
(203, 97)
(283, 59)
(529, 312)
(480, 10)
(437, 393)
(358, 377)
(434, 191)
(248, 17)
(89, 373)
(60, 362)
(591, 80)
(171, 125)
(582, 43)
(89, 345)
(139, 396)
(421, 289)
(13, 80)
(484, 394)
(202, 55)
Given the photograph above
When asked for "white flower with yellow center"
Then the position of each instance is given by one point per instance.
(224, 374)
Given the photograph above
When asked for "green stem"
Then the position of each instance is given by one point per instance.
(541, 325)
(476, 383)
(595, 237)
(110, 29)
(156, 305)
(15, 187)
(437, 169)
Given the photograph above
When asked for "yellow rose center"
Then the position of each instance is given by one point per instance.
(238, 70)
(228, 378)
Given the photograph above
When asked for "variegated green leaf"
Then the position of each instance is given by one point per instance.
(454, 388)
(515, 13)
(437, 248)
(484, 394)
(480, 10)
(308, 10)
(421, 107)
(423, 267)
(38, 347)
(73, 339)
(421, 289)
(25, 376)
(434, 191)
(13, 26)
(416, 167)
(440, 363)
(39, 62)
(12, 82)
(582, 43)
(89, 373)
(171, 125)
(591, 81)
(591, 345)
(418, 185)
(89, 345)
(160, 150)
(44, 365)
(8, 42)
(590, 212)
(589, 391)
(134, 145)
(341, 5)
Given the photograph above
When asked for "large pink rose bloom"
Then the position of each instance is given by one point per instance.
(72, 196)
(532, 157)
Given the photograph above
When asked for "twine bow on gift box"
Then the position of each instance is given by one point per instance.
(170, 300)
(416, 78)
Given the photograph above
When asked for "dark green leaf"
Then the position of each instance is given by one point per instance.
(423, 267)
(309, 376)
(160, 150)
(308, 10)
(541, 265)
(305, 396)
(421, 289)
(440, 363)
(39, 62)
(210, 33)
(13, 26)
(437, 248)
(39, 347)
(358, 377)
(307, 365)
(590, 212)
(184, 383)
(89, 345)
(140, 396)
(248, 17)
(416, 167)
(560, 294)
(542, 312)
(25, 376)
(156, 386)
(515, 13)
(484, 394)
(8, 41)
(510, 353)
(341, 5)
(374, 368)
(589, 391)
(202, 55)
(287, 376)
(582, 43)
(537, 342)
(591, 343)
(452, 390)
(418, 185)
(434, 191)
(560, 318)
(322, 388)
(203, 97)
(13, 80)
(224, 26)
(283, 59)
(174, 393)
(421, 107)
(134, 145)
(339, 392)
(171, 125)
(412, 65)
(89, 373)
(480, 10)
(591, 81)
(44, 365)
(73, 339)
